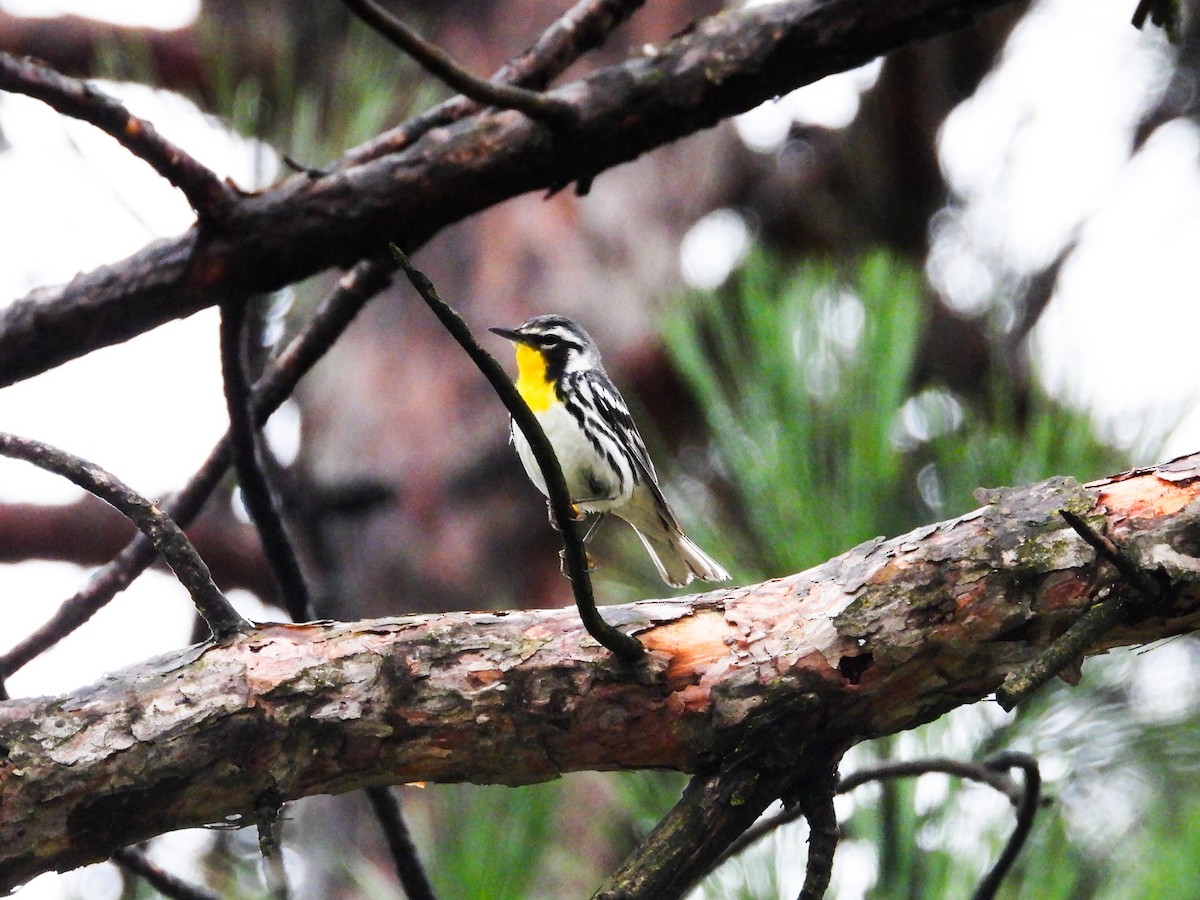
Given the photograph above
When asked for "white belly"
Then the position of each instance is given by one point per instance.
(589, 479)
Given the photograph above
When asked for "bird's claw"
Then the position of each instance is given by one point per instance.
(562, 563)
(577, 515)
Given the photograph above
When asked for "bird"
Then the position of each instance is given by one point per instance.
(561, 377)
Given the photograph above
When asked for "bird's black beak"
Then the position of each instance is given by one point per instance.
(514, 336)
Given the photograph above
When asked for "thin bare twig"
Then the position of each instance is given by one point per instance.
(580, 29)
(983, 773)
(209, 195)
(162, 531)
(1085, 630)
(721, 802)
(992, 772)
(1026, 811)
(626, 647)
(354, 289)
(138, 863)
(1150, 590)
(244, 438)
(411, 873)
(583, 27)
(537, 106)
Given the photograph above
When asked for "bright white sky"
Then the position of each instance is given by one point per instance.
(1038, 153)
(159, 14)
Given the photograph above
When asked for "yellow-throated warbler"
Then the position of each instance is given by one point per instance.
(603, 458)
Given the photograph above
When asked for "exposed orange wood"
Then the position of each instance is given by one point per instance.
(693, 643)
(1148, 496)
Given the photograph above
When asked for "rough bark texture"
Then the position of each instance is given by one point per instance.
(727, 64)
(887, 636)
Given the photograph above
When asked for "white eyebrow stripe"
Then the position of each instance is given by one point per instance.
(564, 335)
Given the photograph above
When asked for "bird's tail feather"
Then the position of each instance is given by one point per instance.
(679, 560)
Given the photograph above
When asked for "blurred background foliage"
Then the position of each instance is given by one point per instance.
(860, 371)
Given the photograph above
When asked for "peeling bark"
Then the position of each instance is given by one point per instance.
(725, 65)
(887, 636)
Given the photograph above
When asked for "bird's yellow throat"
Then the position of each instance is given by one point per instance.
(532, 383)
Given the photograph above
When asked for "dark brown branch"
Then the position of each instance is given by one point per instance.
(816, 800)
(984, 773)
(409, 870)
(756, 688)
(332, 317)
(551, 110)
(209, 196)
(244, 439)
(137, 863)
(625, 647)
(716, 807)
(583, 27)
(163, 533)
(725, 65)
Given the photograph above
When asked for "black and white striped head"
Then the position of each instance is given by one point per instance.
(563, 343)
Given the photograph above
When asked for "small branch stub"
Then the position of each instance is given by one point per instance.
(1095, 621)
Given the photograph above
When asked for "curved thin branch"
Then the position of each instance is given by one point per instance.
(1026, 811)
(209, 196)
(409, 870)
(136, 862)
(552, 110)
(984, 773)
(626, 648)
(162, 531)
(580, 29)
(332, 317)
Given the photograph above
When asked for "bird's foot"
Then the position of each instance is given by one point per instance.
(577, 515)
(562, 563)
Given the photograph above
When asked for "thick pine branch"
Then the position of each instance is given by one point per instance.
(755, 685)
(727, 64)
